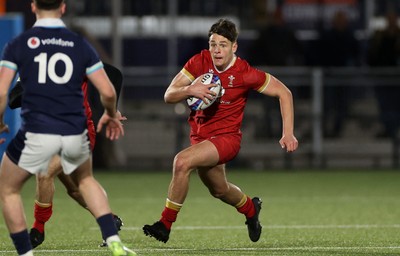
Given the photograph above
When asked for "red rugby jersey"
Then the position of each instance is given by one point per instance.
(226, 114)
(88, 112)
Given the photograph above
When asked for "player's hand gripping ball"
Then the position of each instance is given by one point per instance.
(208, 78)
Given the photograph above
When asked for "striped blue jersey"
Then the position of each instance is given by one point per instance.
(52, 63)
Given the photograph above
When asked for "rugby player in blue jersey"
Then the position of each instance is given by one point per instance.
(52, 63)
(45, 188)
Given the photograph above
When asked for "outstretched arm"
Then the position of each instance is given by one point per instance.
(277, 89)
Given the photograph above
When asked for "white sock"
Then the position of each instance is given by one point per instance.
(114, 238)
(30, 253)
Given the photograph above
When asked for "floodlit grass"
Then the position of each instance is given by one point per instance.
(304, 213)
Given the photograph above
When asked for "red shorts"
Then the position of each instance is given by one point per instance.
(228, 145)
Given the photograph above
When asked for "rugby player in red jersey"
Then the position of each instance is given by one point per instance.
(45, 188)
(215, 132)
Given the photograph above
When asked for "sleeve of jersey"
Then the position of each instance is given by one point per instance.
(267, 79)
(256, 79)
(7, 58)
(193, 67)
(94, 62)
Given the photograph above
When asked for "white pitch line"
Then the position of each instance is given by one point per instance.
(354, 226)
(314, 248)
(330, 226)
(277, 248)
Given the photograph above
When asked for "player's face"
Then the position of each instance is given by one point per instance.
(222, 51)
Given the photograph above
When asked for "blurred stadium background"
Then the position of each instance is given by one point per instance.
(150, 40)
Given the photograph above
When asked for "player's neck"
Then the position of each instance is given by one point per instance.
(48, 14)
(229, 65)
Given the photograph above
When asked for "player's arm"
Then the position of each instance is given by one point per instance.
(6, 78)
(108, 99)
(179, 90)
(106, 90)
(116, 78)
(276, 88)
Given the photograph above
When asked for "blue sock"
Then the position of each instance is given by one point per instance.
(21, 241)
(107, 225)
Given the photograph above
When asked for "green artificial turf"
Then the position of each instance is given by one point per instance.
(327, 212)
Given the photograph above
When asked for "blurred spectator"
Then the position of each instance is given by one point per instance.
(338, 48)
(384, 51)
(276, 45)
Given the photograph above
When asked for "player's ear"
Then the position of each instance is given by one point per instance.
(63, 7)
(234, 47)
(33, 7)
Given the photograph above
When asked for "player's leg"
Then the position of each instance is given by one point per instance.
(219, 187)
(189, 159)
(73, 191)
(216, 182)
(12, 179)
(227, 147)
(97, 202)
(76, 161)
(43, 208)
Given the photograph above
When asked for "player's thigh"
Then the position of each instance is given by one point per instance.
(82, 172)
(68, 182)
(214, 178)
(12, 177)
(202, 154)
(54, 166)
(45, 180)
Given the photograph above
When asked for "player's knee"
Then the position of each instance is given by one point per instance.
(75, 194)
(181, 164)
(219, 192)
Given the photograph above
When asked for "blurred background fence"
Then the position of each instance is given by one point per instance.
(340, 58)
(156, 131)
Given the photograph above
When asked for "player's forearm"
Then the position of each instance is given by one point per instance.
(3, 104)
(178, 90)
(109, 104)
(175, 95)
(287, 112)
(6, 77)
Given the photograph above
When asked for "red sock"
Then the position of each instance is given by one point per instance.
(168, 216)
(247, 208)
(42, 214)
(170, 213)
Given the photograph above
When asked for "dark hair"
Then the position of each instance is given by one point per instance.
(48, 4)
(225, 28)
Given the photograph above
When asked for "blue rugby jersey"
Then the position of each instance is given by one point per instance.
(52, 63)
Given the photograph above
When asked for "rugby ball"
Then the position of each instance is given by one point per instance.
(207, 78)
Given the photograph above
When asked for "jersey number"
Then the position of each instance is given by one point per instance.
(48, 68)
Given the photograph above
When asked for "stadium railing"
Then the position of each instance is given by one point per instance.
(356, 147)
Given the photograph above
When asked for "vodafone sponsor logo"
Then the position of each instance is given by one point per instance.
(57, 41)
(33, 42)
